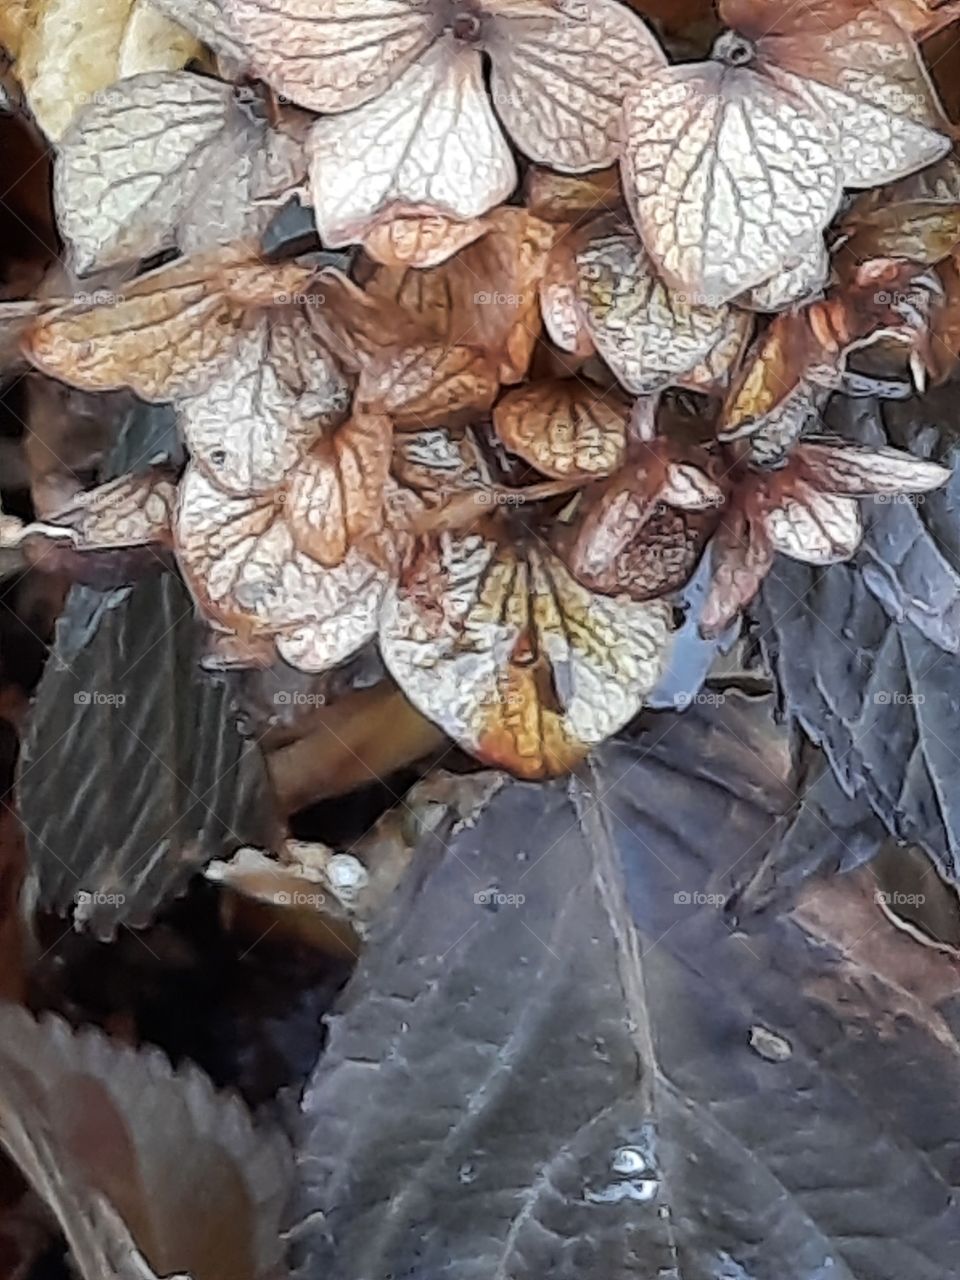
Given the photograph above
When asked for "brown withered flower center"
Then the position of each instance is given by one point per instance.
(733, 49)
(466, 24)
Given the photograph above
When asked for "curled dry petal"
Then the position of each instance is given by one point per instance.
(741, 557)
(430, 144)
(772, 374)
(170, 159)
(560, 307)
(421, 241)
(649, 335)
(242, 565)
(559, 83)
(485, 297)
(332, 55)
(277, 391)
(335, 496)
(713, 374)
(564, 427)
(207, 21)
(513, 658)
(437, 463)
(729, 175)
(854, 469)
(818, 528)
(429, 384)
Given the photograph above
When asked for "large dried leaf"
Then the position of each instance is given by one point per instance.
(714, 1075)
(242, 564)
(649, 334)
(564, 427)
(336, 496)
(729, 174)
(170, 159)
(99, 1127)
(431, 144)
(70, 55)
(515, 660)
(558, 83)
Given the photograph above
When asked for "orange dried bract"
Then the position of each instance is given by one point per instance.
(564, 427)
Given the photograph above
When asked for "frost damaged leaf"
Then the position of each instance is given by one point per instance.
(242, 565)
(564, 427)
(335, 496)
(516, 661)
(649, 334)
(729, 175)
(559, 83)
(431, 144)
(122, 195)
(279, 389)
(96, 1127)
(71, 53)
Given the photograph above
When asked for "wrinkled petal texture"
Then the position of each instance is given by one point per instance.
(856, 470)
(795, 283)
(131, 511)
(818, 528)
(559, 84)
(729, 175)
(431, 144)
(332, 55)
(565, 428)
(513, 658)
(243, 568)
(648, 333)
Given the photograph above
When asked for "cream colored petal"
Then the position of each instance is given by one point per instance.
(207, 21)
(279, 389)
(421, 242)
(689, 488)
(818, 528)
(167, 158)
(560, 306)
(729, 175)
(797, 282)
(430, 144)
(514, 659)
(240, 561)
(868, 78)
(331, 55)
(648, 334)
(558, 84)
(132, 511)
(715, 372)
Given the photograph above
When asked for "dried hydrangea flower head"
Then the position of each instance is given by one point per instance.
(415, 129)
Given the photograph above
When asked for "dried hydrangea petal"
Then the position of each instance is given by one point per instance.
(335, 495)
(131, 511)
(332, 55)
(648, 334)
(559, 84)
(728, 174)
(564, 427)
(521, 665)
(421, 241)
(860, 471)
(277, 391)
(240, 561)
(167, 158)
(818, 528)
(795, 283)
(431, 144)
(741, 557)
